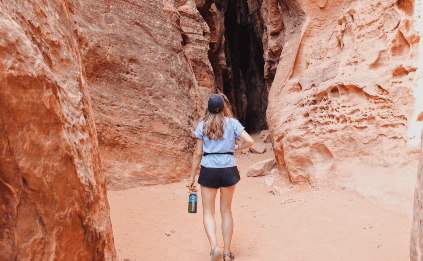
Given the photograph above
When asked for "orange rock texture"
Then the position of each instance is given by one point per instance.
(342, 106)
(53, 202)
(146, 97)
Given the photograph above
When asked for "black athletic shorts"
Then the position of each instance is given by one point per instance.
(218, 177)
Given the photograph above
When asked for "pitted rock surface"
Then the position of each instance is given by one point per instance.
(342, 106)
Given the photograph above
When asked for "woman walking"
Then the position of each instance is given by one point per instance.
(215, 148)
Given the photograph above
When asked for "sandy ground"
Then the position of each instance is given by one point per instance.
(301, 223)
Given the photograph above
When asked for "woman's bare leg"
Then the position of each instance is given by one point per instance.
(208, 196)
(226, 194)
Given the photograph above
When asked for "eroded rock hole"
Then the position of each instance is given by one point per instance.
(334, 93)
(184, 40)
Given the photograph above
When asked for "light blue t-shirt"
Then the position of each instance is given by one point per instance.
(232, 130)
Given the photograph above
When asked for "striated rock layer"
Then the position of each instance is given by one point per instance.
(53, 202)
(145, 94)
(342, 103)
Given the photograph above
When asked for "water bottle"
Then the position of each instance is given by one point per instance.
(192, 202)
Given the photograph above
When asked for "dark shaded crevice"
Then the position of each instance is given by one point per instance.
(245, 47)
(252, 69)
(232, 88)
(237, 57)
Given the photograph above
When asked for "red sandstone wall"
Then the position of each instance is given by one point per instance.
(146, 98)
(53, 202)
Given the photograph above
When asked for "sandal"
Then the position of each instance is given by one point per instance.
(215, 256)
(230, 255)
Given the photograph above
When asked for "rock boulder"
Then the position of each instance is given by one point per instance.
(261, 168)
(265, 136)
(258, 148)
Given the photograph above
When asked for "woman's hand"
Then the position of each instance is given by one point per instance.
(191, 185)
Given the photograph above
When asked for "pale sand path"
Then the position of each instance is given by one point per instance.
(319, 225)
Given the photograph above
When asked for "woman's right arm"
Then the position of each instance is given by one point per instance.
(248, 141)
(196, 160)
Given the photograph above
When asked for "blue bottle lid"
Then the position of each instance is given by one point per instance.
(194, 192)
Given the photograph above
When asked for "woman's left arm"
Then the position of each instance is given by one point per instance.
(196, 159)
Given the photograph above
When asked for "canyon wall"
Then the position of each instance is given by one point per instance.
(142, 77)
(342, 106)
(53, 201)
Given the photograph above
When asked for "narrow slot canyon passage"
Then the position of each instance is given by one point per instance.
(246, 53)
(267, 227)
(243, 81)
(299, 223)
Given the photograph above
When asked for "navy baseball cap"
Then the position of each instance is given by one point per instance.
(215, 104)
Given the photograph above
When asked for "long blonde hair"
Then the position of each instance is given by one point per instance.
(213, 123)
